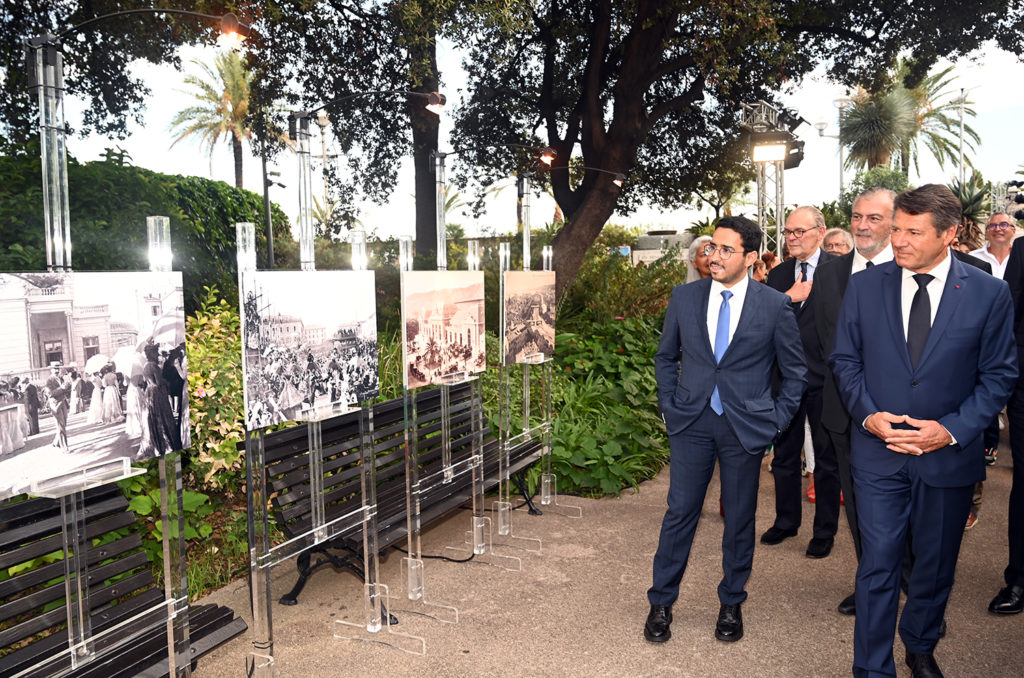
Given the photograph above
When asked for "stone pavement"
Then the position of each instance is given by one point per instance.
(578, 607)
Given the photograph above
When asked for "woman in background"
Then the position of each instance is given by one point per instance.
(95, 415)
(57, 399)
(135, 408)
(112, 412)
(698, 264)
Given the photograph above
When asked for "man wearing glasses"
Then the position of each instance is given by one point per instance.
(714, 370)
(804, 231)
(999, 236)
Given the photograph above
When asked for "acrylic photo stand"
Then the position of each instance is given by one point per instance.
(84, 646)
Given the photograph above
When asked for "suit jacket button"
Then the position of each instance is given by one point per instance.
(718, 369)
(914, 384)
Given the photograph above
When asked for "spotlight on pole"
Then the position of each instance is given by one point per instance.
(436, 102)
(547, 155)
(232, 32)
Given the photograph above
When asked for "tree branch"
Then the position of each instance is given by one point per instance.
(692, 94)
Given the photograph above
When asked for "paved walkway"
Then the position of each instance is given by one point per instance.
(577, 609)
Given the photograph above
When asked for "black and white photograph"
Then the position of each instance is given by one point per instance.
(310, 344)
(529, 316)
(93, 370)
(443, 315)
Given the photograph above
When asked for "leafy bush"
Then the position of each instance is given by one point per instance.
(215, 394)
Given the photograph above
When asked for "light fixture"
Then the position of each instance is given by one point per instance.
(769, 146)
(619, 179)
(232, 32)
(547, 155)
(436, 102)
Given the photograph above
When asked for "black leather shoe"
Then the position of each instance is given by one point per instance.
(1008, 601)
(923, 666)
(656, 629)
(848, 606)
(775, 535)
(730, 624)
(820, 547)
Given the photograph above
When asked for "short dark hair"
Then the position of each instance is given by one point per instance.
(750, 233)
(935, 200)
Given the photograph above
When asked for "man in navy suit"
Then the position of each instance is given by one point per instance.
(804, 232)
(924, 359)
(721, 338)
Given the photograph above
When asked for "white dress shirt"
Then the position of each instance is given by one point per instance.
(933, 288)
(860, 262)
(998, 268)
(812, 265)
(739, 293)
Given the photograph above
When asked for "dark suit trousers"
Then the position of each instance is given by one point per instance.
(693, 455)
(1015, 413)
(888, 508)
(841, 447)
(786, 469)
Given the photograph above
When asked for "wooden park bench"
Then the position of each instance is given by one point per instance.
(33, 617)
(287, 463)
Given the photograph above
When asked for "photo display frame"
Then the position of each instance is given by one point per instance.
(529, 301)
(93, 374)
(443, 326)
(309, 344)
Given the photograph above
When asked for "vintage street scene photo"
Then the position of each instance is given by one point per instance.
(443, 314)
(93, 369)
(310, 344)
(529, 316)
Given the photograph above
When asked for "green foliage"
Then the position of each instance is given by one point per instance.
(109, 202)
(215, 394)
(143, 494)
(608, 286)
(877, 176)
(607, 433)
(834, 217)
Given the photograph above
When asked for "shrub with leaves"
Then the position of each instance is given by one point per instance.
(215, 394)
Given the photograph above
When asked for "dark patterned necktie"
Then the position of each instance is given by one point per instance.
(920, 322)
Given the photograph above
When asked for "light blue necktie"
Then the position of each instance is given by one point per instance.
(721, 343)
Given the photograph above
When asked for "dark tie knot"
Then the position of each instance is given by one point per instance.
(922, 279)
(869, 264)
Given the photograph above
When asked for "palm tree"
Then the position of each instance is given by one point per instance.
(223, 103)
(974, 198)
(891, 125)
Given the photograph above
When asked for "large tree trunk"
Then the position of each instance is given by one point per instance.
(423, 55)
(579, 232)
(236, 148)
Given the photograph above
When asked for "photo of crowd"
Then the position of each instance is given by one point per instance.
(529, 330)
(306, 359)
(93, 370)
(443, 316)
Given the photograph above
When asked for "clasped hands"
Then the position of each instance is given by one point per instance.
(927, 435)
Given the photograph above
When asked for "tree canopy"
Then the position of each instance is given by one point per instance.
(652, 89)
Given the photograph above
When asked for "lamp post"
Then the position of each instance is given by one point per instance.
(46, 78)
(298, 129)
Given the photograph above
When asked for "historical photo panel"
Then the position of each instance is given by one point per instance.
(443, 314)
(529, 316)
(310, 344)
(93, 370)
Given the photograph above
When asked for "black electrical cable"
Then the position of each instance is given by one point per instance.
(450, 560)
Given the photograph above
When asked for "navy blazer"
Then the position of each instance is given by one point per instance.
(964, 377)
(687, 373)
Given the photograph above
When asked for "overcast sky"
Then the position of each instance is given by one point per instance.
(991, 81)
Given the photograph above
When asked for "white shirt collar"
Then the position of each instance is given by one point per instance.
(940, 271)
(860, 261)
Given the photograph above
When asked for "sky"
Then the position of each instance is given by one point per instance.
(991, 81)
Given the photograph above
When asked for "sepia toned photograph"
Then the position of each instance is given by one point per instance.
(93, 370)
(309, 342)
(529, 316)
(443, 315)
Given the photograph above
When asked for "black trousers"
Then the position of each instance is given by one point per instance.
(1015, 413)
(786, 469)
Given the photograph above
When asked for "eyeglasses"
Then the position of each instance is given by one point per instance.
(1002, 225)
(797, 233)
(725, 252)
(834, 246)
(873, 218)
